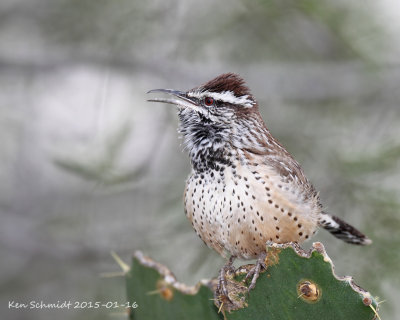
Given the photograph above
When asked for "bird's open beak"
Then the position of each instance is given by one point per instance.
(182, 101)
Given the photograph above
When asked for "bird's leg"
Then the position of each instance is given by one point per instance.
(255, 271)
(222, 276)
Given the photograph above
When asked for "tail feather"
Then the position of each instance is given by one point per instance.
(343, 230)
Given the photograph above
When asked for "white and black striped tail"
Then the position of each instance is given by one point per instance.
(343, 230)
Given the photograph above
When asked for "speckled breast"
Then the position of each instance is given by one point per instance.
(237, 209)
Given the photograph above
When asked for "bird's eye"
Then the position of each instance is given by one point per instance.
(208, 101)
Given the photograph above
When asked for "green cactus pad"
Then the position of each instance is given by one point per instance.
(296, 285)
(159, 296)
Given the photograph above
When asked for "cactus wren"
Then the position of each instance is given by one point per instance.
(244, 188)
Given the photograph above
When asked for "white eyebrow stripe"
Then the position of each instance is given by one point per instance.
(225, 96)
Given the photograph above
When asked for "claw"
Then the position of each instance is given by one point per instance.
(254, 273)
(222, 276)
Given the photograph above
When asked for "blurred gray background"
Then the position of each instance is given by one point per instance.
(88, 166)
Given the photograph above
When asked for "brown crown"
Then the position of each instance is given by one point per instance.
(228, 82)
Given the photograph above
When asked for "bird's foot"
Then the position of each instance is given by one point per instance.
(254, 272)
(222, 283)
(229, 293)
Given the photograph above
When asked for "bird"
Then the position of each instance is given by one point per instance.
(244, 188)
